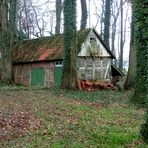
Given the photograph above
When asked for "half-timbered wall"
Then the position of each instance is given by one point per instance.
(94, 68)
(94, 61)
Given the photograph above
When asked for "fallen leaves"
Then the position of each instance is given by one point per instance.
(37, 118)
(14, 125)
(17, 124)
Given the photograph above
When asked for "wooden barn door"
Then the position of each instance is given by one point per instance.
(37, 77)
(58, 75)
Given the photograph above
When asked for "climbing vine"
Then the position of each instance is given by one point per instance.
(141, 46)
(70, 53)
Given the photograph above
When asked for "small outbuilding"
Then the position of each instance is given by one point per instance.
(38, 62)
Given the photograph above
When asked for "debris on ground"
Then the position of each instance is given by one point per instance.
(90, 85)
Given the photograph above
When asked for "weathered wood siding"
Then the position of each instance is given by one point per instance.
(93, 47)
(22, 73)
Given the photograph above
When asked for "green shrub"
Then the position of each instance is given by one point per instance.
(144, 129)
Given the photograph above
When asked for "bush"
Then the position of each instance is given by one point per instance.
(144, 129)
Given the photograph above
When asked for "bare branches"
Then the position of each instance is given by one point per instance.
(35, 17)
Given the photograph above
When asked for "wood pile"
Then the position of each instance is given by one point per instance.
(90, 85)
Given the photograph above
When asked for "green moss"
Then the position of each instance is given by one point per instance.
(140, 44)
(28, 50)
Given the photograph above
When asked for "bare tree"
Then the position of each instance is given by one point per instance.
(107, 22)
(115, 16)
(84, 14)
(116, 28)
(58, 16)
(99, 13)
(32, 17)
(121, 39)
(130, 80)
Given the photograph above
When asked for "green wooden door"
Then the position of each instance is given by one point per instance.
(37, 77)
(58, 75)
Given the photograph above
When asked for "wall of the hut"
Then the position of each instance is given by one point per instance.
(94, 68)
(93, 47)
(22, 73)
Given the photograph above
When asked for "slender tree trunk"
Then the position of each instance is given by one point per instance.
(121, 40)
(102, 20)
(12, 27)
(58, 16)
(130, 80)
(84, 14)
(1, 65)
(113, 39)
(70, 50)
(107, 22)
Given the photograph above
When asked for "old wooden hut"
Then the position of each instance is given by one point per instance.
(38, 62)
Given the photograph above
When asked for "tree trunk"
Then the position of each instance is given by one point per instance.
(102, 20)
(12, 29)
(1, 62)
(130, 80)
(140, 44)
(6, 53)
(84, 14)
(121, 40)
(107, 22)
(70, 50)
(58, 16)
(7, 39)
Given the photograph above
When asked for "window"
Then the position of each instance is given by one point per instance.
(59, 64)
(93, 44)
(92, 39)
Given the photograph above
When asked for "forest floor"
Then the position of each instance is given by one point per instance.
(54, 118)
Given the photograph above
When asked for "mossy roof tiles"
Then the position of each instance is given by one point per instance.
(44, 48)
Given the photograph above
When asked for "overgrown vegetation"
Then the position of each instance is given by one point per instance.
(56, 118)
(144, 129)
(69, 77)
(141, 44)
